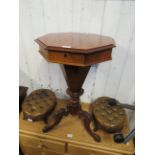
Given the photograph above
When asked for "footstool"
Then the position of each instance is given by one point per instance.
(39, 105)
(107, 115)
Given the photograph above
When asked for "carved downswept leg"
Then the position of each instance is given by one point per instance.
(96, 125)
(87, 120)
(57, 118)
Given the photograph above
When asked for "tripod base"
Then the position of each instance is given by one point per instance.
(83, 115)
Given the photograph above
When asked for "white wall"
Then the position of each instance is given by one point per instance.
(114, 18)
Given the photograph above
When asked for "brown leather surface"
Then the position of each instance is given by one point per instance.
(38, 104)
(110, 118)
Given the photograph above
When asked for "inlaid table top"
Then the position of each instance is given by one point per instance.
(78, 49)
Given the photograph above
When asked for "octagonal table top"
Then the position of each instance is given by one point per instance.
(76, 42)
(81, 49)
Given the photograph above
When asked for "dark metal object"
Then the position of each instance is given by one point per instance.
(118, 138)
(129, 136)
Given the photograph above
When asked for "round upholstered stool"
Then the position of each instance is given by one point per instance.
(108, 115)
(39, 104)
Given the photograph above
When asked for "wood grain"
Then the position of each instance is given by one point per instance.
(80, 138)
(75, 42)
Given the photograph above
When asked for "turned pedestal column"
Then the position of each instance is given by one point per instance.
(77, 52)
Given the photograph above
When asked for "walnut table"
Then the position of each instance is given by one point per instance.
(77, 52)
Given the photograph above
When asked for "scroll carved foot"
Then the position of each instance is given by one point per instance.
(87, 120)
(57, 118)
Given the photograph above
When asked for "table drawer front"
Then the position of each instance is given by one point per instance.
(43, 144)
(35, 151)
(27, 150)
(79, 150)
(65, 58)
(62, 57)
(51, 153)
